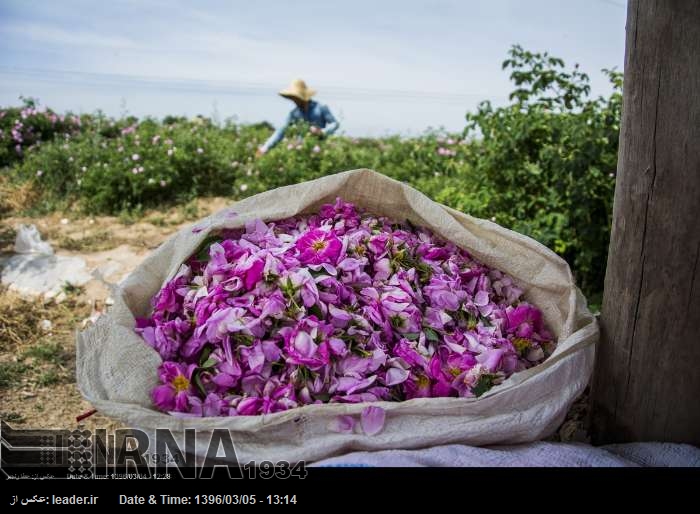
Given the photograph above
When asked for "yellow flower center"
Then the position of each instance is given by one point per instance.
(423, 382)
(180, 383)
(455, 372)
(319, 245)
(521, 344)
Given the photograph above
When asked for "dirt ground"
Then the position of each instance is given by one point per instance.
(37, 363)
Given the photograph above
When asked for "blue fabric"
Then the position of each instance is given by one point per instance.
(316, 114)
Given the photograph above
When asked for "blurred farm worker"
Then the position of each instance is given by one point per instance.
(308, 110)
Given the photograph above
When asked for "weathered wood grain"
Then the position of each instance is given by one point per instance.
(647, 380)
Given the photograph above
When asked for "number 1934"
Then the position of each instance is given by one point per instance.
(281, 469)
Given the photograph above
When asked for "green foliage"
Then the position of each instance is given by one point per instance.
(12, 417)
(124, 166)
(549, 158)
(11, 373)
(543, 165)
(50, 352)
(24, 129)
(48, 378)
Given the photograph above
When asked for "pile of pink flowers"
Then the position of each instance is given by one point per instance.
(339, 306)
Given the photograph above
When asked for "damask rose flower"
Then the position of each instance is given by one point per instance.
(318, 246)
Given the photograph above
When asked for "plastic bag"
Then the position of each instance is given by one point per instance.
(28, 240)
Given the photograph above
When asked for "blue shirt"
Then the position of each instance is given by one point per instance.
(316, 114)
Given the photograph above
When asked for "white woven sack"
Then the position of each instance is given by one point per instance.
(116, 369)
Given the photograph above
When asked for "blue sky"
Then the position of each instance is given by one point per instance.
(382, 66)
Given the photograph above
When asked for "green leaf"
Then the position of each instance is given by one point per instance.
(196, 378)
(206, 351)
(316, 311)
(431, 335)
(471, 321)
(484, 383)
(239, 339)
(209, 363)
(324, 397)
(360, 351)
(202, 254)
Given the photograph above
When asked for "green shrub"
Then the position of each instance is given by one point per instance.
(24, 129)
(150, 164)
(549, 160)
(543, 165)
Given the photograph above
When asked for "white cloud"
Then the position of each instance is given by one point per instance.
(51, 35)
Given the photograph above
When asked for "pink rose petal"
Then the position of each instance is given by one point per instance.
(342, 425)
(372, 420)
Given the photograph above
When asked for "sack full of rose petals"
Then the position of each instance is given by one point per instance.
(349, 312)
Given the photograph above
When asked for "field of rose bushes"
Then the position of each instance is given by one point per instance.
(543, 165)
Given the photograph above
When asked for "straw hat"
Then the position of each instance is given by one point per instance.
(298, 89)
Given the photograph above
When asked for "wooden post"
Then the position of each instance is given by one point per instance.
(646, 385)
